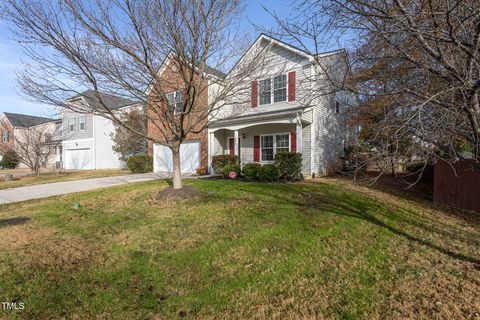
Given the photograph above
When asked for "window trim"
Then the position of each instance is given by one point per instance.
(69, 125)
(272, 90)
(80, 122)
(260, 93)
(175, 109)
(7, 135)
(274, 144)
(286, 87)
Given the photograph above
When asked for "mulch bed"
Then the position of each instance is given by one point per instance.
(174, 195)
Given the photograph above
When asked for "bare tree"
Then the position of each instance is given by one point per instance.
(118, 47)
(35, 146)
(417, 63)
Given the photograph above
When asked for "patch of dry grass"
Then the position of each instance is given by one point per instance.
(49, 177)
(323, 250)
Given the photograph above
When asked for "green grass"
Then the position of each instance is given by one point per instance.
(49, 177)
(246, 250)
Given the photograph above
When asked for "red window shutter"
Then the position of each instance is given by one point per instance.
(231, 146)
(293, 141)
(256, 148)
(254, 93)
(291, 86)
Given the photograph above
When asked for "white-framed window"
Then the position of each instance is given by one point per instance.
(280, 88)
(175, 101)
(179, 102)
(278, 93)
(267, 148)
(82, 122)
(5, 136)
(272, 144)
(265, 91)
(71, 124)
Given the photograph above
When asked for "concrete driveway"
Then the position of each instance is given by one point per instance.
(58, 188)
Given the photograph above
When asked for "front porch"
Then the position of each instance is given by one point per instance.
(258, 140)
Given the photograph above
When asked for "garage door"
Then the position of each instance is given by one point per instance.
(189, 157)
(78, 159)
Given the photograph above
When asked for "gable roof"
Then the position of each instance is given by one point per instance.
(110, 101)
(215, 72)
(25, 121)
(285, 45)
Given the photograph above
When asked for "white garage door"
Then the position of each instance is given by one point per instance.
(189, 157)
(78, 159)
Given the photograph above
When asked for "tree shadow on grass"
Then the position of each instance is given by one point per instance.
(343, 204)
(13, 221)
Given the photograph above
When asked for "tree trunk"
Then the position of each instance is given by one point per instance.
(36, 170)
(177, 172)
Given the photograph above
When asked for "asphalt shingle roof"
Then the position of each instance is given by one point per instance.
(25, 120)
(110, 101)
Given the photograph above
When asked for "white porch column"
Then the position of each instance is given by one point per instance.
(299, 133)
(211, 142)
(235, 142)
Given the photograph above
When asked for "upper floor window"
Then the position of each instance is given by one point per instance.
(71, 124)
(48, 137)
(279, 91)
(337, 107)
(175, 101)
(5, 136)
(280, 88)
(82, 122)
(265, 91)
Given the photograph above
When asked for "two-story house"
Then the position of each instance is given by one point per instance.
(293, 106)
(18, 128)
(194, 149)
(87, 137)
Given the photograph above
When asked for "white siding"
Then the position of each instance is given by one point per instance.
(105, 157)
(306, 146)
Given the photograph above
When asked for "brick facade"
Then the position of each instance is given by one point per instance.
(5, 125)
(171, 78)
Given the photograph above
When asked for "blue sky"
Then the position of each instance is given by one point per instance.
(11, 55)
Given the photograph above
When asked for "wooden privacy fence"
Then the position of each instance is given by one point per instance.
(461, 190)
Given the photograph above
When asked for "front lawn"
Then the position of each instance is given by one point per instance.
(246, 250)
(48, 177)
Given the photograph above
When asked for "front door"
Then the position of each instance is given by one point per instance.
(231, 146)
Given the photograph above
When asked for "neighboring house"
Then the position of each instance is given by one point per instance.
(87, 137)
(17, 127)
(194, 149)
(291, 106)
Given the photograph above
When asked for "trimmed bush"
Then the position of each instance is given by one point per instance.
(140, 163)
(250, 170)
(10, 159)
(221, 161)
(229, 168)
(289, 165)
(269, 172)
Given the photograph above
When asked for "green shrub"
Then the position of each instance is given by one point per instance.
(250, 170)
(219, 162)
(269, 172)
(289, 165)
(140, 163)
(10, 159)
(229, 168)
